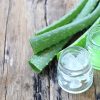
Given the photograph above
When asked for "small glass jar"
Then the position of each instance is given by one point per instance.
(93, 46)
(74, 70)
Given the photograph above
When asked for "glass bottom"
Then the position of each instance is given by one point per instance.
(76, 92)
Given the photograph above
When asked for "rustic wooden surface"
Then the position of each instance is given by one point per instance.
(19, 19)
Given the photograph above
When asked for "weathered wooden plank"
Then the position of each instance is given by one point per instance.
(56, 9)
(4, 10)
(20, 82)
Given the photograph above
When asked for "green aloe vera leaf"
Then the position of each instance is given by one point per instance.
(82, 40)
(65, 19)
(43, 41)
(39, 61)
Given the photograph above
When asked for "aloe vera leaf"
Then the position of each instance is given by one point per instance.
(50, 38)
(39, 61)
(89, 7)
(82, 40)
(65, 19)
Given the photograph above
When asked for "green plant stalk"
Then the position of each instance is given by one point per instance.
(38, 62)
(53, 37)
(82, 40)
(65, 19)
(89, 7)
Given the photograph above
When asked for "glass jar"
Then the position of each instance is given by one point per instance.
(74, 70)
(93, 46)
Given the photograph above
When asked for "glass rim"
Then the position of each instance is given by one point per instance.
(91, 33)
(74, 48)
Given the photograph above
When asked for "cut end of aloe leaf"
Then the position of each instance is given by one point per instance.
(33, 67)
(30, 41)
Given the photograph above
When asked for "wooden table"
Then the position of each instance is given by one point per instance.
(19, 19)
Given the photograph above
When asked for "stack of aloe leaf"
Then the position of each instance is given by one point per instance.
(48, 42)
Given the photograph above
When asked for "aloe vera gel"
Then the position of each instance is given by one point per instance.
(93, 46)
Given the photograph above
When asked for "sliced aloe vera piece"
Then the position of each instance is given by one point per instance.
(39, 61)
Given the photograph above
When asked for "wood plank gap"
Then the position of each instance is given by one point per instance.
(9, 8)
(6, 34)
(37, 87)
(45, 9)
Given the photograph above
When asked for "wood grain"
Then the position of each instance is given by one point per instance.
(19, 20)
